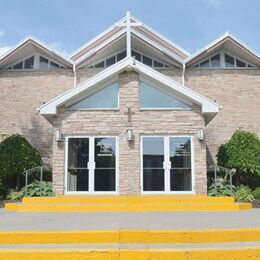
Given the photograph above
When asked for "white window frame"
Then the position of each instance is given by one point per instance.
(222, 62)
(36, 65)
(94, 90)
(160, 86)
(91, 165)
(166, 162)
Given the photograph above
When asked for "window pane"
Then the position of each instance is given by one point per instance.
(153, 152)
(28, 64)
(43, 63)
(105, 152)
(54, 65)
(121, 55)
(147, 61)
(180, 154)
(205, 63)
(157, 64)
(18, 66)
(240, 63)
(153, 158)
(105, 180)
(180, 158)
(215, 61)
(111, 61)
(151, 97)
(229, 61)
(100, 65)
(137, 55)
(105, 98)
(78, 158)
(180, 179)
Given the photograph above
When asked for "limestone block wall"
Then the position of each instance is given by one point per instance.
(98, 123)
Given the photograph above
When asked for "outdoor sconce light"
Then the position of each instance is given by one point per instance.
(58, 135)
(129, 135)
(201, 134)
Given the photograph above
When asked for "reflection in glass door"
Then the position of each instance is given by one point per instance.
(153, 160)
(105, 164)
(166, 164)
(78, 160)
(91, 164)
(180, 157)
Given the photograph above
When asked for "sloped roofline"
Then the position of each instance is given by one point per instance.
(219, 40)
(208, 107)
(38, 43)
(121, 21)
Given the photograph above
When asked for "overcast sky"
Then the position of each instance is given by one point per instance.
(68, 24)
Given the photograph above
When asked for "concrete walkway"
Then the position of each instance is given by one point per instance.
(11, 220)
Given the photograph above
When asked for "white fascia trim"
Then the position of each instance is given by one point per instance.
(162, 37)
(208, 106)
(39, 44)
(157, 46)
(50, 108)
(213, 44)
(99, 47)
(97, 37)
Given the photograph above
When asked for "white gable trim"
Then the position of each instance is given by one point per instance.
(207, 106)
(214, 44)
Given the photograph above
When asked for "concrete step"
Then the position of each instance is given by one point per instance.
(130, 236)
(127, 207)
(248, 252)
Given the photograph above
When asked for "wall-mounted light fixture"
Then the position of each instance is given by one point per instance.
(201, 134)
(58, 135)
(129, 135)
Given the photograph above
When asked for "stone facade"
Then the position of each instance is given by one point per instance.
(236, 90)
(115, 123)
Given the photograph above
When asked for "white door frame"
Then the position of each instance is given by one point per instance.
(91, 165)
(167, 166)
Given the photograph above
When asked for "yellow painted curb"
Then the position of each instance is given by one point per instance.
(130, 236)
(125, 254)
(129, 199)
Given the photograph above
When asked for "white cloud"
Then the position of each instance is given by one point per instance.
(4, 49)
(58, 46)
(2, 33)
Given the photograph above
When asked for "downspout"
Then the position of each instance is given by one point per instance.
(75, 75)
(183, 74)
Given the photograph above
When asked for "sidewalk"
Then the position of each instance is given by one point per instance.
(11, 220)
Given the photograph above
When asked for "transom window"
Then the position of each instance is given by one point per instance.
(154, 97)
(147, 60)
(23, 65)
(35, 62)
(106, 98)
(225, 60)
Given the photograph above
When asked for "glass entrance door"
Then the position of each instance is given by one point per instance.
(91, 164)
(166, 164)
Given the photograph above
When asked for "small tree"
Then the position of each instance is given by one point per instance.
(241, 152)
(16, 154)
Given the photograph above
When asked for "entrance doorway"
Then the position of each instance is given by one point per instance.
(167, 164)
(91, 165)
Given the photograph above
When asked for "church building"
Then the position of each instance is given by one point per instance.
(130, 112)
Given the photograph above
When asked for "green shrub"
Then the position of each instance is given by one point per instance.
(241, 152)
(16, 155)
(14, 195)
(221, 190)
(37, 189)
(256, 193)
(244, 194)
